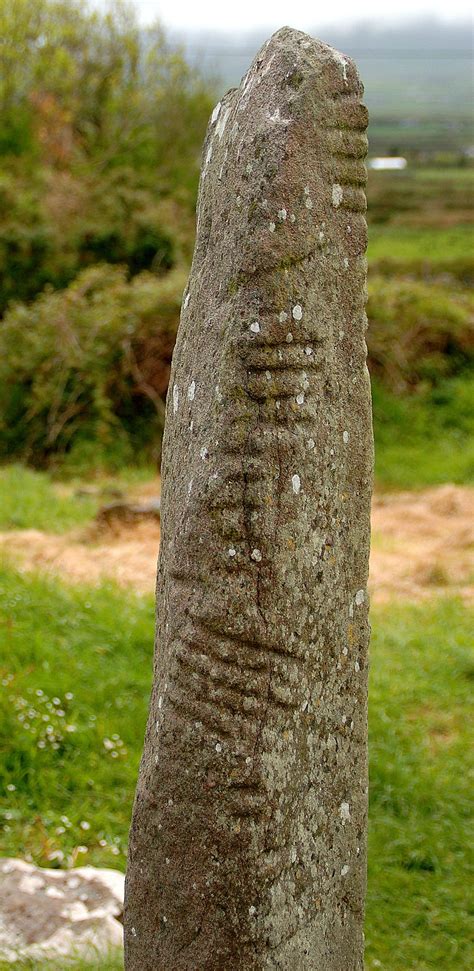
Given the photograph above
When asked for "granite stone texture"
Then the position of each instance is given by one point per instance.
(248, 840)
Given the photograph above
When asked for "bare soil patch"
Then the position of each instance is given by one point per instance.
(422, 545)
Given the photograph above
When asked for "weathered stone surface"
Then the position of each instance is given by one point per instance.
(58, 913)
(248, 842)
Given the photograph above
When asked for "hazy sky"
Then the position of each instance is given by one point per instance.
(247, 14)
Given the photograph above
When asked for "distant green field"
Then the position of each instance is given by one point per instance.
(405, 244)
(76, 669)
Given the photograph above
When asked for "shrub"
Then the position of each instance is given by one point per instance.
(84, 371)
(418, 334)
(88, 367)
(101, 127)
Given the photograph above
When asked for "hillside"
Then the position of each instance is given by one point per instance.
(418, 77)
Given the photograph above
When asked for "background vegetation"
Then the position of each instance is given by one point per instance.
(101, 129)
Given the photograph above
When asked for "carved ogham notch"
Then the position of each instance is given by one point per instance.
(248, 841)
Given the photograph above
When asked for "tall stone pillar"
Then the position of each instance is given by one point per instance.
(248, 841)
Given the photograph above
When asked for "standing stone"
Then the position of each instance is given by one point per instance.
(248, 842)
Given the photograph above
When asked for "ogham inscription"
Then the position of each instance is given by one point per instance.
(248, 840)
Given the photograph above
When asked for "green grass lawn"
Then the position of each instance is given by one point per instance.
(402, 245)
(424, 439)
(36, 500)
(75, 670)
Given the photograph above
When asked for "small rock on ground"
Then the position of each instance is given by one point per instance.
(58, 913)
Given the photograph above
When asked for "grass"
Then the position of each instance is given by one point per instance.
(420, 849)
(424, 439)
(112, 962)
(30, 500)
(76, 671)
(35, 500)
(82, 658)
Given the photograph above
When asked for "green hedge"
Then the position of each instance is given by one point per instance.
(86, 369)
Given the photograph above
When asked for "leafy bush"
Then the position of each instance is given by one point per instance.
(84, 371)
(418, 334)
(87, 368)
(101, 127)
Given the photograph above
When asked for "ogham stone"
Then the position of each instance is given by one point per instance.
(248, 841)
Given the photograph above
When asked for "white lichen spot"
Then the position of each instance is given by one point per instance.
(300, 398)
(337, 195)
(282, 316)
(248, 760)
(277, 119)
(292, 218)
(296, 483)
(308, 351)
(255, 327)
(297, 312)
(310, 443)
(349, 229)
(222, 123)
(218, 393)
(186, 300)
(293, 854)
(289, 337)
(346, 263)
(207, 160)
(249, 168)
(357, 667)
(191, 391)
(272, 227)
(215, 113)
(134, 933)
(190, 485)
(256, 555)
(345, 651)
(160, 702)
(304, 706)
(344, 812)
(345, 437)
(204, 453)
(359, 597)
(351, 610)
(175, 398)
(306, 190)
(252, 911)
(308, 203)
(218, 747)
(282, 215)
(232, 551)
(321, 236)
(268, 375)
(345, 870)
